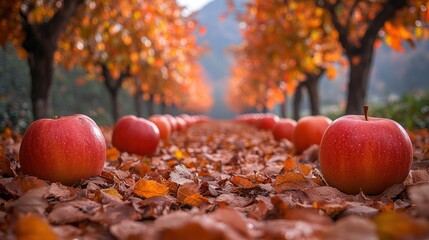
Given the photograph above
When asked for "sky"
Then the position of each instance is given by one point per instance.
(193, 5)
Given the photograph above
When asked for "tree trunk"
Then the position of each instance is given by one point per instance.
(137, 98)
(41, 71)
(283, 107)
(312, 85)
(150, 105)
(297, 99)
(360, 54)
(163, 107)
(358, 81)
(113, 86)
(41, 42)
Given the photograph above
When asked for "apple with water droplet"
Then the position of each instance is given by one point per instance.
(65, 149)
(368, 154)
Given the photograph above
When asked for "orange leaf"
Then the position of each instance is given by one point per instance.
(112, 154)
(189, 194)
(242, 182)
(150, 188)
(31, 227)
(195, 200)
(289, 164)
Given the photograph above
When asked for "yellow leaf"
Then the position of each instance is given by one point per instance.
(150, 188)
(178, 154)
(32, 227)
(392, 225)
(113, 192)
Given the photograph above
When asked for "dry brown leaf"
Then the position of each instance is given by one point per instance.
(150, 188)
(33, 227)
(57, 191)
(419, 194)
(291, 180)
(182, 175)
(353, 228)
(129, 229)
(232, 218)
(33, 201)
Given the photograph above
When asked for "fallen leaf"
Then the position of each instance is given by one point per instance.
(188, 194)
(150, 188)
(32, 201)
(112, 154)
(129, 229)
(291, 180)
(400, 226)
(419, 194)
(353, 228)
(59, 192)
(32, 227)
(182, 175)
(242, 182)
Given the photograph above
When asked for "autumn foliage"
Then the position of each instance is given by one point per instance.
(286, 42)
(223, 180)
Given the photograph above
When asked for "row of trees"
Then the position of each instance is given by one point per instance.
(289, 45)
(147, 46)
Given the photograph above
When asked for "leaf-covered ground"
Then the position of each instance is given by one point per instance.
(217, 180)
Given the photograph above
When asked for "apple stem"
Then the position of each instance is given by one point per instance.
(365, 112)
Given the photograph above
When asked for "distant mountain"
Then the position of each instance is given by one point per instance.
(222, 32)
(393, 73)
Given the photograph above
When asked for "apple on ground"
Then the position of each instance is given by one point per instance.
(268, 121)
(65, 149)
(368, 154)
(181, 124)
(308, 131)
(163, 125)
(284, 129)
(136, 135)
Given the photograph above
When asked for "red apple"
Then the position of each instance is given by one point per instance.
(284, 129)
(181, 124)
(135, 135)
(358, 153)
(64, 150)
(163, 125)
(172, 121)
(308, 131)
(268, 121)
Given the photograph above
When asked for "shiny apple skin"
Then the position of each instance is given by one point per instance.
(309, 130)
(284, 129)
(369, 156)
(136, 135)
(64, 150)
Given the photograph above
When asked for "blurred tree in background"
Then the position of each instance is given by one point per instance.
(111, 41)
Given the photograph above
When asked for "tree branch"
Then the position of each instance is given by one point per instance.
(388, 12)
(61, 18)
(342, 31)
